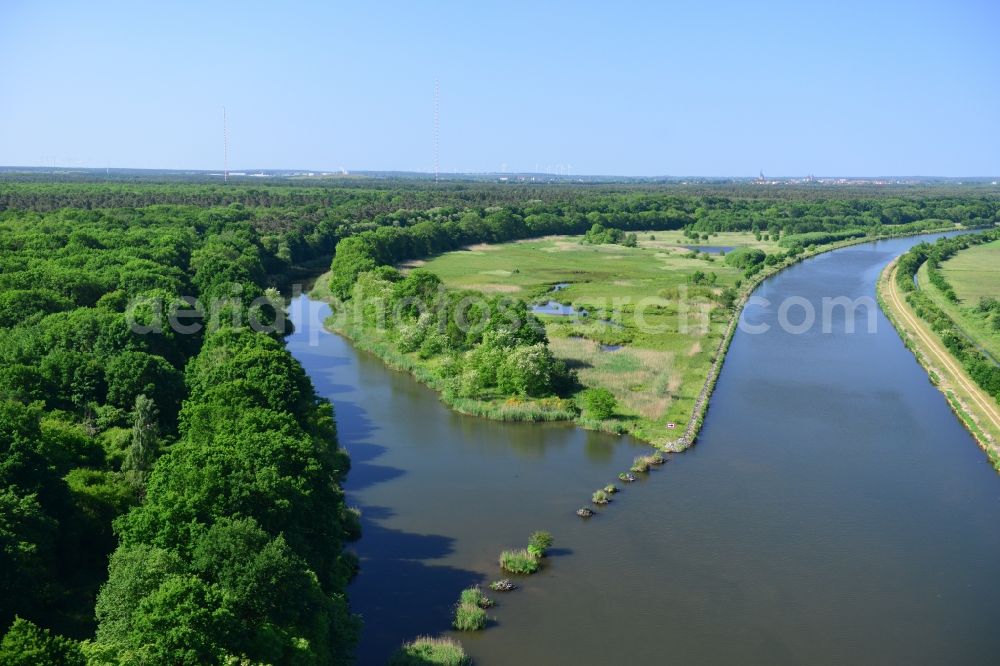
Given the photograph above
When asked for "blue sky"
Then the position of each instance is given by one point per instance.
(664, 88)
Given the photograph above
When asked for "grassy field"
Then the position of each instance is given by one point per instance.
(973, 273)
(641, 300)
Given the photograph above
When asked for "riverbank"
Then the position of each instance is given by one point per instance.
(554, 409)
(976, 409)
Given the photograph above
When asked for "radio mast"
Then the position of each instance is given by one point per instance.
(437, 128)
(225, 147)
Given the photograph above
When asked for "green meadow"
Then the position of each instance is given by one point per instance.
(655, 314)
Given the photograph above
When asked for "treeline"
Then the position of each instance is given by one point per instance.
(820, 237)
(390, 245)
(213, 438)
(878, 215)
(300, 222)
(979, 366)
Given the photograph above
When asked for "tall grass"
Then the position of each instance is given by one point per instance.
(475, 597)
(640, 464)
(427, 651)
(544, 409)
(519, 561)
(469, 617)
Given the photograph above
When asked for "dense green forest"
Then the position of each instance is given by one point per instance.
(203, 464)
(174, 498)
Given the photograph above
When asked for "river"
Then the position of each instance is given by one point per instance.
(833, 511)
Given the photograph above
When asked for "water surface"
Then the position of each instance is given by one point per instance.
(710, 249)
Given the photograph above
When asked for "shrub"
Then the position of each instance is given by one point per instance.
(540, 540)
(427, 651)
(411, 336)
(600, 497)
(432, 345)
(611, 489)
(599, 403)
(519, 561)
(744, 257)
(475, 596)
(988, 304)
(469, 617)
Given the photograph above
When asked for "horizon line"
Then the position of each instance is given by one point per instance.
(344, 172)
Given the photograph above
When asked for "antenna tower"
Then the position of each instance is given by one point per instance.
(437, 128)
(225, 147)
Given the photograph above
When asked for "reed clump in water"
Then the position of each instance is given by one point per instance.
(427, 651)
(519, 561)
(474, 596)
(468, 617)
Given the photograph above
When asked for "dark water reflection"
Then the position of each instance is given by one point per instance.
(710, 249)
(833, 512)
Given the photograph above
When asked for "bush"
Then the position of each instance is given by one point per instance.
(519, 561)
(526, 371)
(745, 257)
(432, 345)
(988, 304)
(427, 651)
(611, 489)
(540, 540)
(599, 403)
(600, 497)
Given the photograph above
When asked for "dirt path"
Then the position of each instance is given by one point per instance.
(938, 353)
